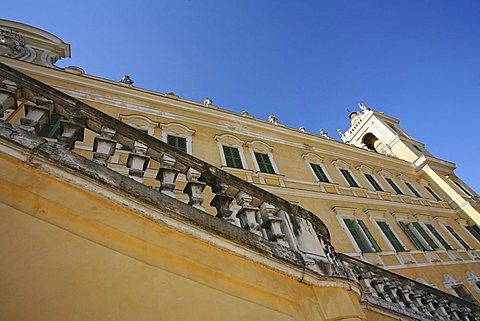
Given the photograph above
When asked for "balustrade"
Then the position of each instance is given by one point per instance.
(235, 201)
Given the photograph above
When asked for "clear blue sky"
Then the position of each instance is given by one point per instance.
(306, 61)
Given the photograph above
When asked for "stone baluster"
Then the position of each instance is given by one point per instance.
(137, 162)
(221, 201)
(428, 302)
(194, 188)
(452, 311)
(416, 298)
(72, 130)
(365, 278)
(167, 174)
(440, 304)
(104, 146)
(35, 117)
(8, 96)
(391, 289)
(378, 284)
(247, 213)
(403, 292)
(464, 314)
(272, 224)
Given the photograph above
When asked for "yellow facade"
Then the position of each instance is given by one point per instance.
(72, 249)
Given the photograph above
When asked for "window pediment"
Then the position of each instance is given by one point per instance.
(341, 164)
(423, 182)
(312, 158)
(403, 178)
(140, 122)
(177, 129)
(229, 140)
(365, 169)
(260, 147)
(386, 173)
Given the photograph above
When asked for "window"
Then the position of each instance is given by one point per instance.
(418, 236)
(438, 236)
(232, 157)
(392, 238)
(463, 189)
(348, 176)
(231, 151)
(178, 136)
(394, 186)
(362, 235)
(263, 158)
(372, 181)
(457, 288)
(435, 196)
(413, 190)
(474, 230)
(457, 237)
(320, 173)
(264, 163)
(52, 130)
(177, 142)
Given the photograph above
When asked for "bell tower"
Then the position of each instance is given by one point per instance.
(375, 131)
(378, 132)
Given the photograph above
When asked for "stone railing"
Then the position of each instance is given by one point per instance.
(234, 200)
(392, 292)
(257, 212)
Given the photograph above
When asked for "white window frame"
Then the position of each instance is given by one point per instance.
(433, 237)
(257, 146)
(417, 234)
(179, 130)
(464, 226)
(425, 184)
(386, 174)
(364, 169)
(473, 280)
(405, 179)
(341, 164)
(385, 238)
(457, 182)
(233, 142)
(311, 158)
(359, 229)
(460, 246)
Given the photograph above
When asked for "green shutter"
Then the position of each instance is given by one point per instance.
(414, 191)
(412, 236)
(349, 177)
(264, 163)
(369, 236)
(439, 237)
(425, 235)
(374, 183)
(459, 239)
(177, 142)
(394, 186)
(232, 157)
(391, 237)
(322, 177)
(356, 236)
(475, 231)
(435, 196)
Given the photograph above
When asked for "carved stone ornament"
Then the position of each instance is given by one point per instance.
(12, 44)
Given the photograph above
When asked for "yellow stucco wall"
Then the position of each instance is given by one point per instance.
(69, 254)
(288, 145)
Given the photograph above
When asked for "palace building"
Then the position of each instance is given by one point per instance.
(122, 203)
